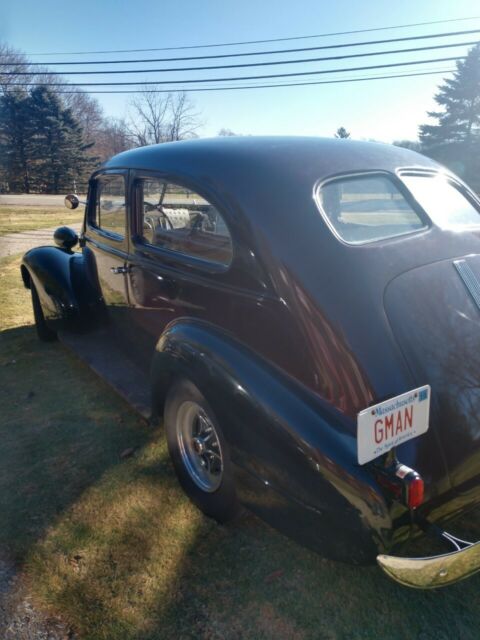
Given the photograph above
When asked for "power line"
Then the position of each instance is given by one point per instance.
(241, 43)
(270, 85)
(236, 78)
(251, 53)
(245, 65)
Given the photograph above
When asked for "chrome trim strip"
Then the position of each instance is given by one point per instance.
(437, 571)
(469, 279)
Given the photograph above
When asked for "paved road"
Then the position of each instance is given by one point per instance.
(39, 200)
(21, 242)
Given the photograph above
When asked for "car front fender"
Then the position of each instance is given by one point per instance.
(66, 291)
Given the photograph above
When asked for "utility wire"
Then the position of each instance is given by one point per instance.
(236, 78)
(250, 53)
(269, 86)
(241, 43)
(244, 65)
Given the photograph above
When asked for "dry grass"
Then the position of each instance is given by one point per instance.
(14, 219)
(114, 547)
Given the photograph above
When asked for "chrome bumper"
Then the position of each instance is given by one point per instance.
(436, 571)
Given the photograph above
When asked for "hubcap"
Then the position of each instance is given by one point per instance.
(199, 446)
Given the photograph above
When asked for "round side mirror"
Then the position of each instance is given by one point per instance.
(71, 201)
(65, 238)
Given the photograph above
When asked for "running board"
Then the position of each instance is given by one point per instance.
(100, 352)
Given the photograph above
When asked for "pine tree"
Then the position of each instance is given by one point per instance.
(459, 96)
(59, 153)
(16, 141)
(342, 133)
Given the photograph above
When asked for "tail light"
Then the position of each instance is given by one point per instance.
(402, 483)
(413, 487)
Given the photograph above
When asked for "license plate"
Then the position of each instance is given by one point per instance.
(390, 423)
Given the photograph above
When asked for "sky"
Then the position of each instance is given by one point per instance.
(383, 110)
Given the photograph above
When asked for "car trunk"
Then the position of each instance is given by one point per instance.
(435, 315)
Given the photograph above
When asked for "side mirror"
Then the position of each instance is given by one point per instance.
(65, 238)
(71, 201)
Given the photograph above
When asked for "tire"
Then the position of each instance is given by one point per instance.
(189, 422)
(44, 332)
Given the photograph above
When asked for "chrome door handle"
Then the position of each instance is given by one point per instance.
(119, 270)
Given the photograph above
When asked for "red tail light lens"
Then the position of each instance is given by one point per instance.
(415, 490)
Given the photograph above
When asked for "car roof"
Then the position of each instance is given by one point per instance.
(302, 158)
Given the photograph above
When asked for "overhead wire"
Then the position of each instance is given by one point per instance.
(252, 53)
(264, 41)
(237, 78)
(247, 65)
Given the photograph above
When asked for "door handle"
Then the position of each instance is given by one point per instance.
(120, 270)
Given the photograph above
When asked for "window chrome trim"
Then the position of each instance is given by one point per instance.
(395, 180)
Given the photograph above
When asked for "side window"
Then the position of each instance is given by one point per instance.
(366, 208)
(181, 220)
(110, 211)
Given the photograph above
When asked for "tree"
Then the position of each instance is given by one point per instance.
(460, 98)
(226, 133)
(59, 152)
(16, 140)
(87, 112)
(413, 145)
(41, 145)
(113, 138)
(342, 133)
(455, 139)
(161, 117)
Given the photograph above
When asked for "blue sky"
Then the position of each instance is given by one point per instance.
(383, 109)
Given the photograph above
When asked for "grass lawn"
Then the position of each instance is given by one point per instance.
(112, 545)
(17, 218)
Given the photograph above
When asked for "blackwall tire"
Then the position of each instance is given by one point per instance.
(44, 332)
(199, 452)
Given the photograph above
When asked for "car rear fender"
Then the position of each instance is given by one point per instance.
(293, 447)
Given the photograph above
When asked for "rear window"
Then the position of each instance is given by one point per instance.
(443, 201)
(365, 208)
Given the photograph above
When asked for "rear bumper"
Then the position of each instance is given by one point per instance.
(433, 572)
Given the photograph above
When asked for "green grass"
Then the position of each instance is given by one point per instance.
(14, 219)
(114, 547)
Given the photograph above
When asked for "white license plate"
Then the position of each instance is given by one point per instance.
(388, 424)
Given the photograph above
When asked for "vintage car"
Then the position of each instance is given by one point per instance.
(305, 315)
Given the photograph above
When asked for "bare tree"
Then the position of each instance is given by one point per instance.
(12, 62)
(184, 120)
(113, 138)
(226, 133)
(158, 117)
(88, 113)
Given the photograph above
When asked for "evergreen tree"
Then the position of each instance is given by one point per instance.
(455, 139)
(16, 141)
(342, 133)
(59, 154)
(459, 122)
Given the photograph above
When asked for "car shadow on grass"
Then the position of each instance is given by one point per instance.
(114, 547)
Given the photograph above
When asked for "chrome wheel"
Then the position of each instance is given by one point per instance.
(199, 446)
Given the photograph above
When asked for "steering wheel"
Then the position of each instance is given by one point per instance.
(149, 206)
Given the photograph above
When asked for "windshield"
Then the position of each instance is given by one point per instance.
(442, 201)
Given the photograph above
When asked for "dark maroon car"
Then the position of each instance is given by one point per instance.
(305, 315)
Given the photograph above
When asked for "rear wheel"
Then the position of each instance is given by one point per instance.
(43, 330)
(200, 452)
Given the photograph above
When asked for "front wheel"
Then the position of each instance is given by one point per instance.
(199, 452)
(43, 330)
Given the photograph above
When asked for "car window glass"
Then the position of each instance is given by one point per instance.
(442, 201)
(110, 210)
(367, 208)
(181, 220)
